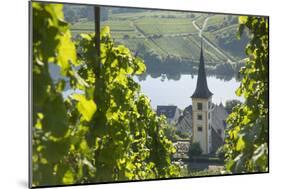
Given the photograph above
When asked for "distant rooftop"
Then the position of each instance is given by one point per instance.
(169, 111)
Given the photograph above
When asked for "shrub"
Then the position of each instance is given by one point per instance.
(182, 135)
(194, 150)
(220, 153)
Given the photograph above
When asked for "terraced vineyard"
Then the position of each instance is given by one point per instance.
(172, 34)
(165, 26)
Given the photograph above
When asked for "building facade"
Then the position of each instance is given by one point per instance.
(217, 118)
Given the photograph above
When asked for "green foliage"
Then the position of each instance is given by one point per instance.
(172, 34)
(194, 150)
(230, 104)
(132, 143)
(170, 132)
(183, 135)
(247, 136)
(51, 131)
(86, 107)
(225, 68)
(106, 132)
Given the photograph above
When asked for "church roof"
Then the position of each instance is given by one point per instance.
(202, 90)
(188, 108)
(217, 141)
(219, 116)
(184, 123)
(168, 111)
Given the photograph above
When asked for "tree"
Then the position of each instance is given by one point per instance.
(126, 36)
(90, 13)
(70, 16)
(182, 135)
(247, 136)
(104, 13)
(226, 68)
(170, 132)
(230, 104)
(194, 150)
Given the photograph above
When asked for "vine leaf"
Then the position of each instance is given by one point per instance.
(86, 107)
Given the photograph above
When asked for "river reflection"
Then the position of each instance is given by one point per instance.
(163, 91)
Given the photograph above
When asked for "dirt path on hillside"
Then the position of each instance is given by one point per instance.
(208, 42)
(195, 25)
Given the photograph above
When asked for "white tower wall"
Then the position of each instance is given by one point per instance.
(202, 123)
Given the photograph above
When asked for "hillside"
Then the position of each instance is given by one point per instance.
(168, 34)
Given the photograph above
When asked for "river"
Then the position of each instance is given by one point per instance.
(178, 92)
(174, 92)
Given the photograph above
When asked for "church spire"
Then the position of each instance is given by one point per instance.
(202, 90)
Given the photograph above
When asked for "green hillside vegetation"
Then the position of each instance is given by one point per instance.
(170, 34)
(200, 19)
(151, 25)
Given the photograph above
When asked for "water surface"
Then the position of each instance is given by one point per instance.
(178, 92)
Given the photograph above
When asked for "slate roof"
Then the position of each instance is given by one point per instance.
(219, 115)
(202, 90)
(168, 111)
(185, 121)
(217, 141)
(188, 108)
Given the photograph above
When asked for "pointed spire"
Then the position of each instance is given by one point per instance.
(201, 46)
(202, 90)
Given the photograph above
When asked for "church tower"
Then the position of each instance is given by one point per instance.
(202, 110)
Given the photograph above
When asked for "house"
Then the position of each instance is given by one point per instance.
(172, 113)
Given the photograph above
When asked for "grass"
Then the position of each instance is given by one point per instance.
(200, 20)
(163, 32)
(151, 26)
(216, 20)
(226, 29)
(121, 34)
(177, 46)
(83, 26)
(210, 54)
(114, 25)
(118, 25)
(214, 36)
(149, 44)
(186, 172)
(147, 13)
